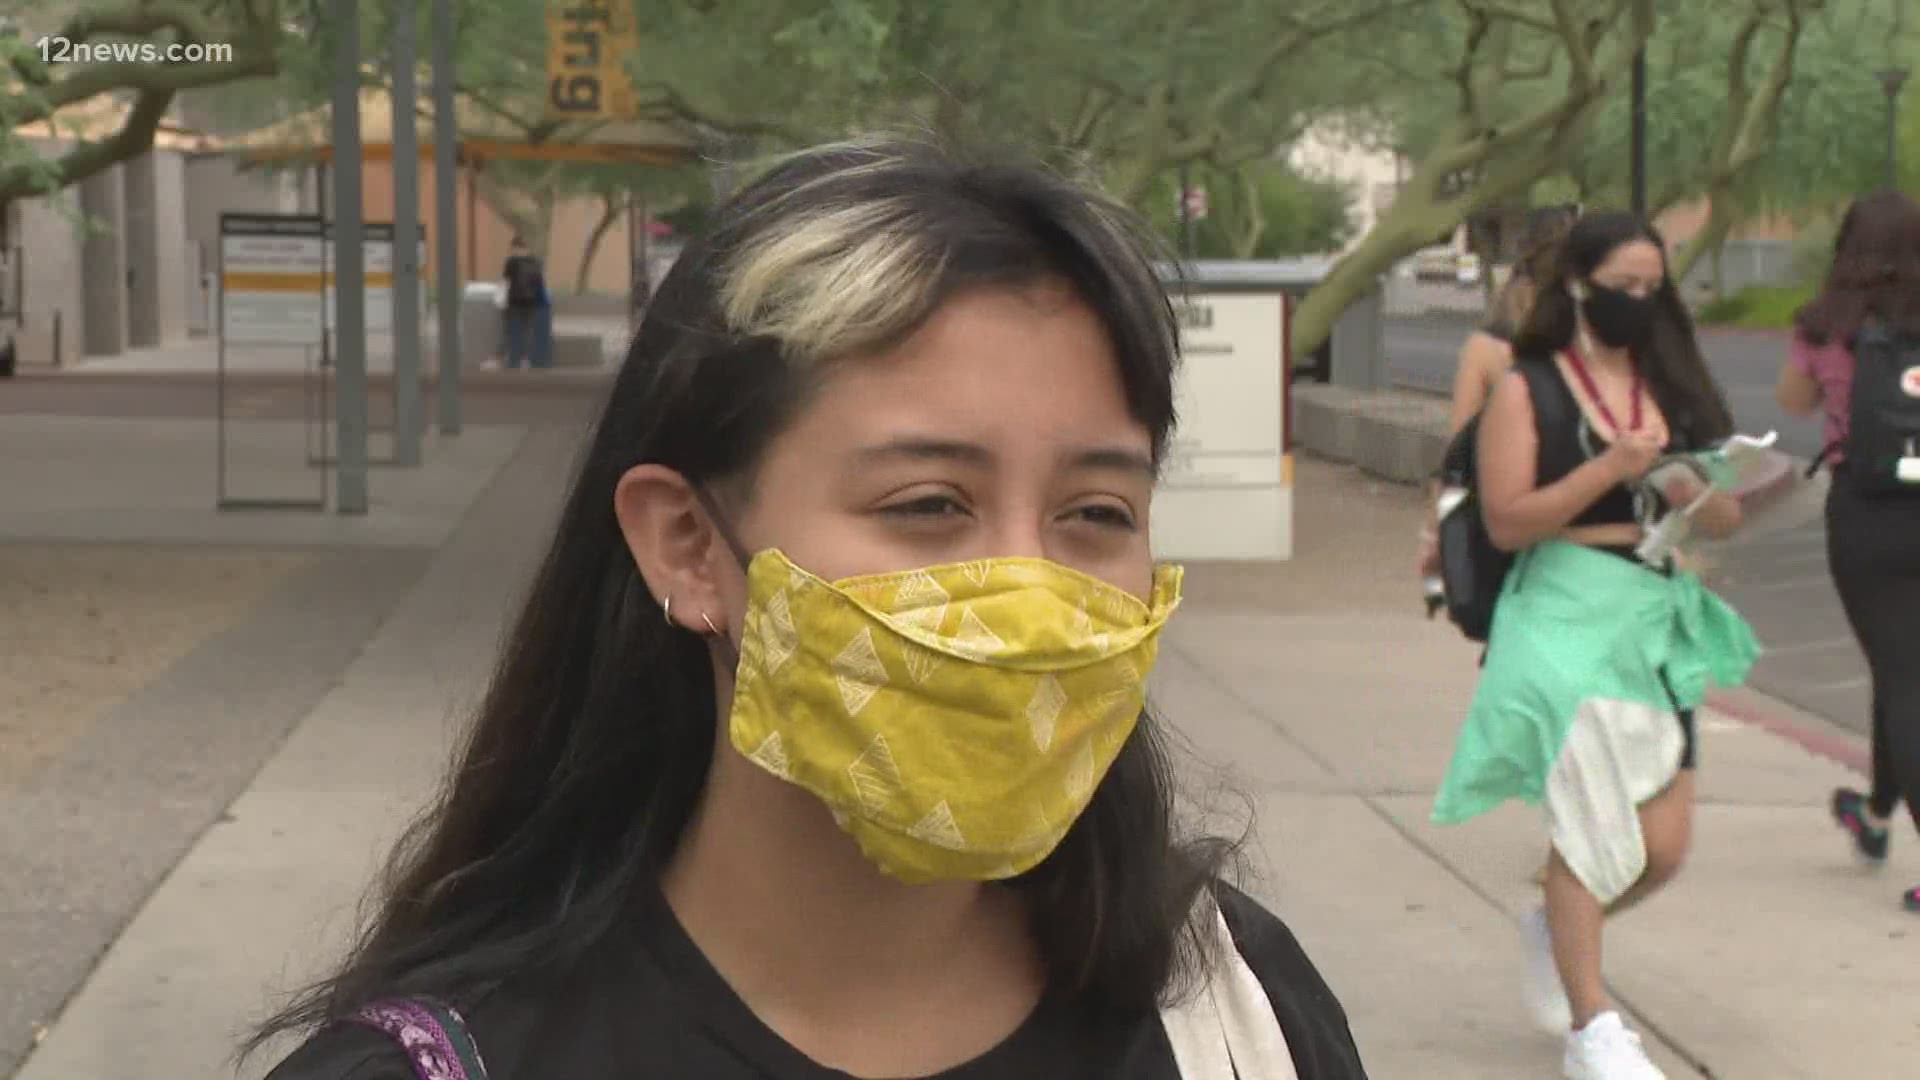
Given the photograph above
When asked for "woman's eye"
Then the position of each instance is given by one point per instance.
(927, 506)
(1106, 516)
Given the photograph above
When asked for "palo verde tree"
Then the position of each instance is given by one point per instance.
(1130, 89)
(41, 152)
(1486, 98)
(1758, 106)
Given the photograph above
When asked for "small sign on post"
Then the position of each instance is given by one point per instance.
(272, 272)
(377, 243)
(272, 280)
(588, 42)
(1227, 488)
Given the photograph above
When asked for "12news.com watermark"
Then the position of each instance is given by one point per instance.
(63, 50)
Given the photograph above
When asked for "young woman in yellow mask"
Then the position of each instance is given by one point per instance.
(819, 749)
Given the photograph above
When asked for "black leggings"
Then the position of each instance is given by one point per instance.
(1873, 549)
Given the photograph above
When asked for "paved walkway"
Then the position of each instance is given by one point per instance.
(1313, 687)
(201, 355)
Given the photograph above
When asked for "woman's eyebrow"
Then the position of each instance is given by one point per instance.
(919, 448)
(1110, 459)
(922, 448)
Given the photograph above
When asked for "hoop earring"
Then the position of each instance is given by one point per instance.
(712, 629)
(666, 610)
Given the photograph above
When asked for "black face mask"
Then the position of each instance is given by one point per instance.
(1619, 319)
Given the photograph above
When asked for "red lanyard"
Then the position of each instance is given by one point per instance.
(1580, 372)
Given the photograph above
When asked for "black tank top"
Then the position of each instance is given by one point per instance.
(1567, 446)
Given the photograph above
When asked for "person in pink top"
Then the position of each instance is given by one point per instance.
(1873, 539)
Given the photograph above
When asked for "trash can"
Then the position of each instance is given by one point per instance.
(482, 330)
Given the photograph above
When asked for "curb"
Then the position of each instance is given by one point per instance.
(1817, 736)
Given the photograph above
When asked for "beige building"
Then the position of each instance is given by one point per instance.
(127, 258)
(113, 263)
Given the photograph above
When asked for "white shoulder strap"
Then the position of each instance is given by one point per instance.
(1227, 1030)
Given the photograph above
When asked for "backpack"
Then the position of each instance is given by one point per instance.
(525, 284)
(1472, 569)
(432, 1035)
(1883, 424)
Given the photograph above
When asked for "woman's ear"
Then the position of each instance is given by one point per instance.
(674, 545)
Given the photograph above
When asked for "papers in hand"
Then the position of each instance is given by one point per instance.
(1720, 468)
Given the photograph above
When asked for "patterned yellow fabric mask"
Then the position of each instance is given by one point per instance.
(956, 719)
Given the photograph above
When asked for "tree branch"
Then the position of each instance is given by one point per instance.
(1492, 10)
(1755, 133)
(1479, 25)
(1512, 72)
(1583, 87)
(669, 104)
(1575, 36)
(134, 138)
(146, 20)
(485, 102)
(254, 57)
(1300, 34)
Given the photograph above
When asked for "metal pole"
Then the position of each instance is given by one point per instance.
(350, 266)
(446, 217)
(1640, 132)
(1891, 80)
(406, 242)
(1893, 137)
(1186, 213)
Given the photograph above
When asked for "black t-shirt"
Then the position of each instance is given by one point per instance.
(525, 281)
(659, 1009)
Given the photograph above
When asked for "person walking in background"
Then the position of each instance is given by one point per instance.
(529, 313)
(1855, 360)
(1597, 658)
(1488, 352)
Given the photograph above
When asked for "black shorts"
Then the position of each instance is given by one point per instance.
(1689, 738)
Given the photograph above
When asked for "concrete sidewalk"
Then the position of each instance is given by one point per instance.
(1315, 688)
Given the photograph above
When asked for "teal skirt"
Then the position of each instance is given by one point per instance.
(1584, 633)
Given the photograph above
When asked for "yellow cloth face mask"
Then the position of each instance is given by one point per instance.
(956, 719)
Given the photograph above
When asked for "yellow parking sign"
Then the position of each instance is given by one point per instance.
(588, 42)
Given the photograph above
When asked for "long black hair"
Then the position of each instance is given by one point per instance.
(593, 742)
(1875, 272)
(1671, 362)
(1541, 233)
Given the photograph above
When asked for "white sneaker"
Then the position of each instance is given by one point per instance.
(1546, 997)
(1606, 1050)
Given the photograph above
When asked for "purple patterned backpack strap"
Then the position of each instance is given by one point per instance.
(433, 1036)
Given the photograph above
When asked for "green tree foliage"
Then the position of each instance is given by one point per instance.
(1131, 88)
(1759, 108)
(1487, 97)
(1260, 211)
(35, 87)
